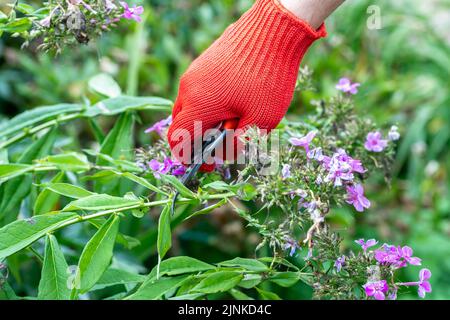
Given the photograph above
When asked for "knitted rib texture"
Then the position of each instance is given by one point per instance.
(248, 73)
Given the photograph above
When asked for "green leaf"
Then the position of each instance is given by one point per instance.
(40, 148)
(179, 265)
(97, 202)
(69, 190)
(9, 171)
(32, 117)
(46, 200)
(266, 295)
(184, 191)
(119, 142)
(239, 295)
(105, 85)
(247, 264)
(18, 25)
(122, 104)
(279, 261)
(139, 180)
(208, 209)
(14, 191)
(250, 281)
(24, 8)
(156, 289)
(113, 277)
(21, 233)
(67, 162)
(54, 279)
(17, 189)
(285, 279)
(97, 254)
(220, 281)
(164, 233)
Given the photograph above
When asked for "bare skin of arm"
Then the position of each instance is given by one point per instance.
(314, 12)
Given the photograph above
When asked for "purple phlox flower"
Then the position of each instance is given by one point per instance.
(388, 254)
(286, 171)
(160, 126)
(393, 134)
(376, 289)
(173, 167)
(341, 167)
(374, 142)
(316, 154)
(355, 197)
(303, 141)
(339, 263)
(355, 164)
(291, 245)
(406, 253)
(423, 285)
(366, 244)
(345, 85)
(133, 12)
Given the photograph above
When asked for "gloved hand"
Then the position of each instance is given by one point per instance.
(249, 73)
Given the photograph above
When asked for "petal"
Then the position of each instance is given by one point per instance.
(379, 295)
(424, 274)
(415, 261)
(296, 141)
(426, 286)
(407, 251)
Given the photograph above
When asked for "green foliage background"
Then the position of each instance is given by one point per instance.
(404, 69)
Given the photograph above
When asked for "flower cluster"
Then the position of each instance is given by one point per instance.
(76, 21)
(381, 264)
(340, 170)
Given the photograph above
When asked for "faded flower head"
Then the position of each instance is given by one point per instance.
(393, 134)
(345, 85)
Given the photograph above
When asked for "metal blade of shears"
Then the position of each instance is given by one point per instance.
(199, 160)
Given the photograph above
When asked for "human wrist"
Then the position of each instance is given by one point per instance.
(313, 12)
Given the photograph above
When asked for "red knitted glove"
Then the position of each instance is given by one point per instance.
(249, 73)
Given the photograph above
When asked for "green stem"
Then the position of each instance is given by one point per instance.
(137, 206)
(26, 133)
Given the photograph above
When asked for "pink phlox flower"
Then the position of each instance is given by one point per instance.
(374, 142)
(366, 244)
(376, 289)
(355, 197)
(304, 141)
(132, 13)
(160, 126)
(345, 85)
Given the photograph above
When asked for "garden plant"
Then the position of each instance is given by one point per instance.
(87, 185)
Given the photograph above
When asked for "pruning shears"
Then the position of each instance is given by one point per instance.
(205, 152)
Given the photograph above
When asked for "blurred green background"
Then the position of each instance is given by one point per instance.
(404, 68)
